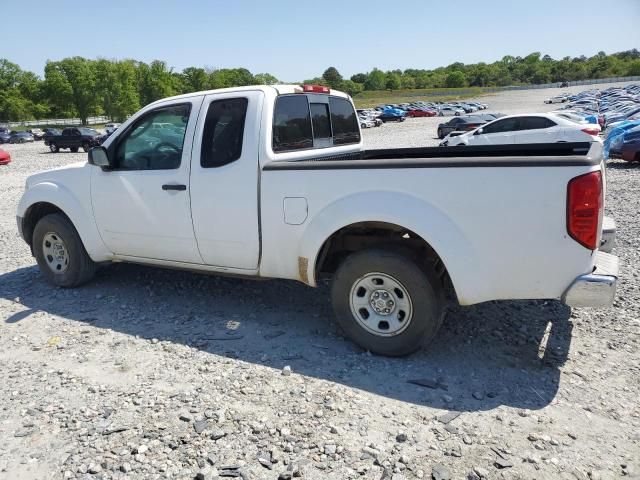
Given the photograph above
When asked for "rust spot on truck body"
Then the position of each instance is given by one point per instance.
(303, 269)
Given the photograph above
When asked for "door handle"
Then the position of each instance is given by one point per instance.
(174, 186)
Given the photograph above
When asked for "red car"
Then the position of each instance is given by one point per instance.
(418, 112)
(5, 157)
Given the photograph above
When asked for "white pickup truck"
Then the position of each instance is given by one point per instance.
(273, 181)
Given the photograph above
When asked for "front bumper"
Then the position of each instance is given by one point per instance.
(595, 289)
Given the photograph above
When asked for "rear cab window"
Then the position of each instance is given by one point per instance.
(310, 121)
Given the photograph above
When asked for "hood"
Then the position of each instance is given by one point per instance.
(71, 172)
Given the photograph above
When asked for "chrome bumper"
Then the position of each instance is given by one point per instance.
(596, 289)
(608, 235)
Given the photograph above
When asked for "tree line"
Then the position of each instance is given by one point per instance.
(81, 87)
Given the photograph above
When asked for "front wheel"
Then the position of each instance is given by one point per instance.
(53, 147)
(59, 251)
(386, 303)
(440, 134)
(86, 147)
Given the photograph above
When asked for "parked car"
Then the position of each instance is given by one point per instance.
(37, 133)
(398, 230)
(366, 122)
(50, 132)
(21, 137)
(420, 112)
(533, 128)
(111, 127)
(457, 124)
(73, 138)
(5, 137)
(5, 157)
(446, 111)
(627, 145)
(391, 114)
(556, 99)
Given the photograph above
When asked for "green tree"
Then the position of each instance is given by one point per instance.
(359, 78)
(456, 79)
(350, 87)
(332, 77)
(71, 85)
(393, 81)
(265, 79)
(376, 80)
(194, 80)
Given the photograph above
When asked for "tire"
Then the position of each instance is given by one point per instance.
(419, 303)
(441, 114)
(440, 135)
(74, 267)
(74, 149)
(53, 147)
(85, 146)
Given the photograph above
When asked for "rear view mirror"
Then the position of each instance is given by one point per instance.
(478, 132)
(98, 156)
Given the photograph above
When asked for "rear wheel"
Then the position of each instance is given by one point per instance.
(385, 303)
(74, 149)
(59, 251)
(440, 134)
(53, 147)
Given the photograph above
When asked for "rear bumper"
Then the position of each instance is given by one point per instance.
(608, 235)
(596, 289)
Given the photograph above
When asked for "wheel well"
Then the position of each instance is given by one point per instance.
(33, 215)
(363, 235)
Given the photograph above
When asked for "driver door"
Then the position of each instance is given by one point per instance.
(142, 205)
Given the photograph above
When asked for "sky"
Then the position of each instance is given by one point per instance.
(297, 40)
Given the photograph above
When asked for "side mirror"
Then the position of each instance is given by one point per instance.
(478, 132)
(98, 156)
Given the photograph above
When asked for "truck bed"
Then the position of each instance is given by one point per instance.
(496, 215)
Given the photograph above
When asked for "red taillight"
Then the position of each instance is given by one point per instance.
(315, 89)
(591, 131)
(584, 209)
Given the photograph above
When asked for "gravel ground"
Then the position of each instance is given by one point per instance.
(150, 373)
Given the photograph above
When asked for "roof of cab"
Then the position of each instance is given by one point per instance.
(280, 90)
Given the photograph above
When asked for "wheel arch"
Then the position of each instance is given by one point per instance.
(427, 227)
(46, 198)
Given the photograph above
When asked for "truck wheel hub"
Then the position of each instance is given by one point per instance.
(381, 304)
(55, 252)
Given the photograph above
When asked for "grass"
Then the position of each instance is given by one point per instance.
(373, 98)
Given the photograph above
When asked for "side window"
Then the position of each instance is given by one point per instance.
(155, 141)
(320, 120)
(506, 125)
(535, 123)
(343, 121)
(223, 132)
(292, 124)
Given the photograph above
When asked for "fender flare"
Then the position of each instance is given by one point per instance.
(81, 217)
(457, 252)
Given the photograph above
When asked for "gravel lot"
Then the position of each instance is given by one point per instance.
(150, 373)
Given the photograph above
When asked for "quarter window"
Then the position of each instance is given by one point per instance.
(535, 123)
(343, 121)
(292, 124)
(155, 141)
(223, 132)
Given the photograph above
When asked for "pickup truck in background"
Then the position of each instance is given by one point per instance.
(273, 182)
(73, 138)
